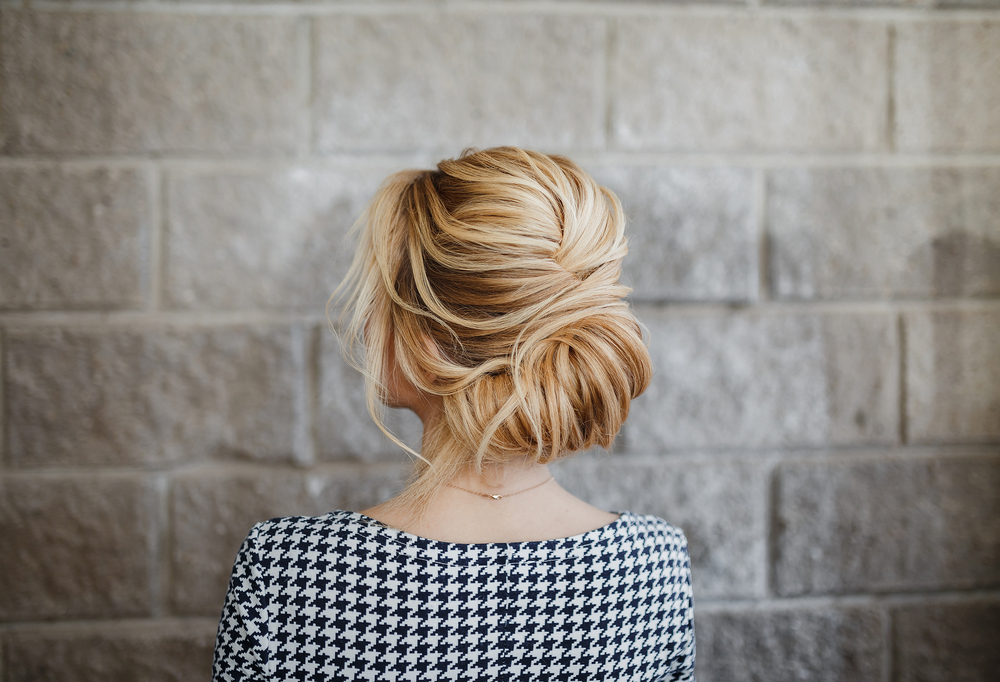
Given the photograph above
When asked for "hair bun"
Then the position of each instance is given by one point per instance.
(508, 262)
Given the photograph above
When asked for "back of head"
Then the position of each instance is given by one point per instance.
(493, 283)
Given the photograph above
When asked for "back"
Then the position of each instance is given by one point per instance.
(344, 597)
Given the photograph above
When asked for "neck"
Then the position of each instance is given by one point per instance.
(503, 478)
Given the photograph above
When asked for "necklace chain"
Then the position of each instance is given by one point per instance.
(500, 497)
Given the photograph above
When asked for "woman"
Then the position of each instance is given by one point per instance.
(485, 297)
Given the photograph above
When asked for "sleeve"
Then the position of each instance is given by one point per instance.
(240, 645)
(682, 664)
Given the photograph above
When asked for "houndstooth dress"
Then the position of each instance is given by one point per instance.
(344, 597)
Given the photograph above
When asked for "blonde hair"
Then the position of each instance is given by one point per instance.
(494, 283)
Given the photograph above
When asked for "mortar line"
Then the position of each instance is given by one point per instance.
(904, 425)
(112, 622)
(886, 600)
(812, 454)
(584, 156)
(638, 9)
(677, 308)
(314, 71)
(890, 114)
(772, 491)
(304, 453)
(763, 283)
(313, 386)
(889, 666)
(763, 456)
(166, 544)
(307, 86)
(159, 566)
(211, 163)
(5, 456)
(734, 605)
(155, 319)
(157, 216)
(206, 467)
(607, 86)
(645, 307)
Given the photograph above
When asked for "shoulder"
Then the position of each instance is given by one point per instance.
(281, 535)
(654, 527)
(656, 535)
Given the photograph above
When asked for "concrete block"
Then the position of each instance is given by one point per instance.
(755, 380)
(151, 651)
(947, 642)
(953, 376)
(924, 4)
(75, 546)
(72, 238)
(718, 503)
(691, 231)
(864, 3)
(453, 80)
(872, 525)
(344, 429)
(263, 239)
(884, 232)
(212, 512)
(4, 431)
(947, 86)
(741, 83)
(118, 396)
(820, 645)
(126, 82)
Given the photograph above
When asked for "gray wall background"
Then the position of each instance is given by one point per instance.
(814, 194)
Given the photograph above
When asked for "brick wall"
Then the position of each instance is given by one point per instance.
(814, 194)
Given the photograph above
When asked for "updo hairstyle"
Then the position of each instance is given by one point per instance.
(493, 282)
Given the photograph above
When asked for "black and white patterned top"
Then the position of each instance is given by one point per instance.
(344, 597)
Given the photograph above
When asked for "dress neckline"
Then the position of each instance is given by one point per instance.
(369, 526)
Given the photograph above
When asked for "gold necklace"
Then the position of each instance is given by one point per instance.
(500, 497)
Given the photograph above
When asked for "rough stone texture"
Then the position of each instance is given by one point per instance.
(138, 82)
(447, 81)
(881, 232)
(948, 86)
(866, 3)
(820, 645)
(212, 512)
(344, 429)
(72, 238)
(263, 239)
(691, 231)
(218, 152)
(4, 440)
(889, 3)
(118, 396)
(953, 376)
(887, 524)
(173, 651)
(754, 380)
(75, 546)
(728, 83)
(894, 3)
(718, 503)
(948, 642)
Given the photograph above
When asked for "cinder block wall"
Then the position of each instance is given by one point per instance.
(814, 194)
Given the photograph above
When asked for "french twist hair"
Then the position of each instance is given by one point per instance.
(493, 282)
